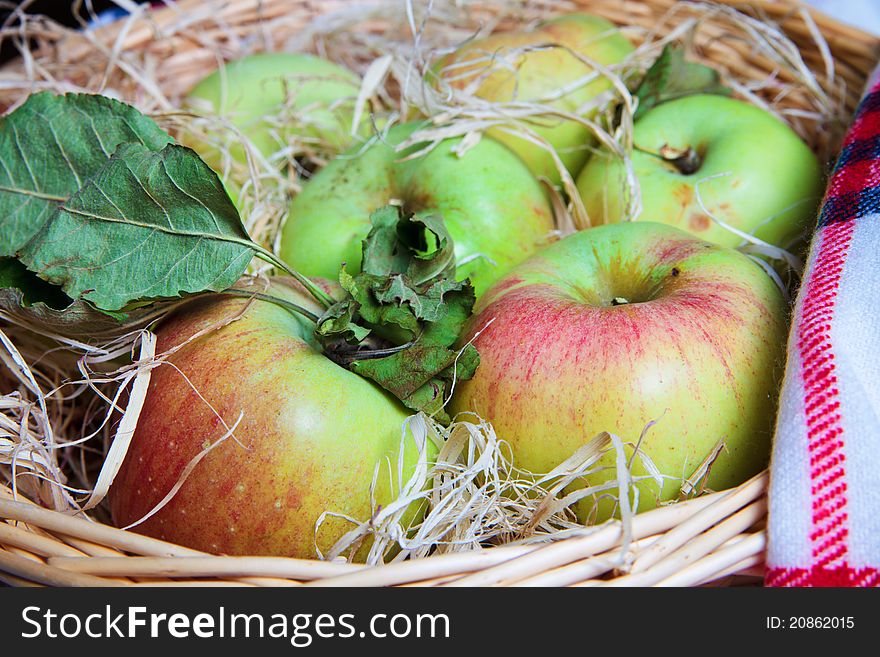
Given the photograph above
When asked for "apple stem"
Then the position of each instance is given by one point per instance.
(687, 161)
(344, 354)
(619, 301)
(320, 296)
(283, 303)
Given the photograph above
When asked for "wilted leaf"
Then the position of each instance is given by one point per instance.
(32, 302)
(431, 246)
(339, 322)
(380, 255)
(415, 310)
(32, 289)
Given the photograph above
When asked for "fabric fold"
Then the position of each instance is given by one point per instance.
(824, 512)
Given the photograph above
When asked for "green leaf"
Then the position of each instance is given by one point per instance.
(671, 77)
(404, 312)
(421, 376)
(456, 302)
(103, 213)
(148, 225)
(49, 148)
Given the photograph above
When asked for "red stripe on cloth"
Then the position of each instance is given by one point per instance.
(867, 126)
(851, 179)
(819, 576)
(821, 399)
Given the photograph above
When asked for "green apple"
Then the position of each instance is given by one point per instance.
(617, 326)
(751, 171)
(506, 70)
(496, 212)
(254, 92)
(311, 436)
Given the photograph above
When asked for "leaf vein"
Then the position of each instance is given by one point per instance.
(246, 243)
(197, 200)
(24, 159)
(151, 197)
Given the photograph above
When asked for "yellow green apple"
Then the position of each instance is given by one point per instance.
(748, 168)
(256, 93)
(542, 65)
(495, 210)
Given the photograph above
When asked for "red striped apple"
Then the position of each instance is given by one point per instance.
(311, 435)
(617, 326)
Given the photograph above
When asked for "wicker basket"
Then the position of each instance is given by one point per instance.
(716, 538)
